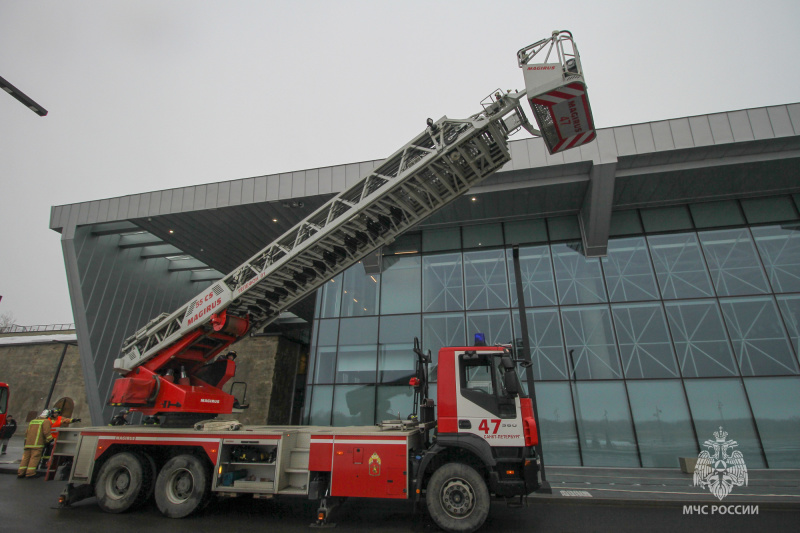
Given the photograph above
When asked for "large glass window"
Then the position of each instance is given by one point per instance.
(733, 262)
(679, 265)
(776, 407)
(716, 214)
(354, 405)
(604, 424)
(618, 344)
(357, 350)
(790, 311)
(663, 427)
(545, 341)
(776, 209)
(700, 339)
(779, 247)
(564, 228)
(394, 402)
(557, 424)
(579, 279)
(716, 403)
(666, 219)
(442, 283)
(482, 235)
(397, 361)
(758, 337)
(591, 349)
(400, 285)
(537, 276)
(360, 292)
(321, 400)
(625, 223)
(356, 364)
(327, 334)
(440, 330)
(628, 271)
(495, 326)
(644, 342)
(525, 231)
(434, 240)
(485, 280)
(331, 297)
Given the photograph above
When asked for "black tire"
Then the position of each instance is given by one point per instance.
(457, 498)
(120, 482)
(149, 481)
(183, 486)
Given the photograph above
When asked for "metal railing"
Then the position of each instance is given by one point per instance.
(14, 328)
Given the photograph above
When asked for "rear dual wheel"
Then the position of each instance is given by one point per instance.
(183, 486)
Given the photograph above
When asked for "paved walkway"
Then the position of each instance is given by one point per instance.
(663, 486)
(668, 485)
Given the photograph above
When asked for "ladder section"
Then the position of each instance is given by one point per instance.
(433, 169)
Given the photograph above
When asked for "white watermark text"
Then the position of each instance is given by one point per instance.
(721, 509)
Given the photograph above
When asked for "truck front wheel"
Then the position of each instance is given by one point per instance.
(123, 482)
(182, 487)
(457, 498)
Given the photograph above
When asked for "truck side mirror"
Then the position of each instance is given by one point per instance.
(511, 383)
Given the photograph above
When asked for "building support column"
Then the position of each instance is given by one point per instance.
(595, 214)
(81, 324)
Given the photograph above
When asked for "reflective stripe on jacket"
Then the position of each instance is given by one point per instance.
(38, 433)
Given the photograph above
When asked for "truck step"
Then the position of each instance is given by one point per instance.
(293, 490)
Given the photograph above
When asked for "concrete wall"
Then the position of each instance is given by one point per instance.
(268, 364)
(29, 370)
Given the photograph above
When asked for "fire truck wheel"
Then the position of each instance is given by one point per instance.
(457, 498)
(120, 482)
(149, 482)
(182, 486)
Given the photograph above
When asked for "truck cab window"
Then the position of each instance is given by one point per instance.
(481, 377)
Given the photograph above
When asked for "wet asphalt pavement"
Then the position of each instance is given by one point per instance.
(31, 505)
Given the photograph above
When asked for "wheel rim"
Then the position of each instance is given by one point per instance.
(180, 486)
(458, 498)
(118, 483)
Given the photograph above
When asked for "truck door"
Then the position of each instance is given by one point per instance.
(485, 407)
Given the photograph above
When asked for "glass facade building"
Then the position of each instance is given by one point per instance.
(690, 322)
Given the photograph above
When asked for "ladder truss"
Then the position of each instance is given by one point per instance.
(449, 157)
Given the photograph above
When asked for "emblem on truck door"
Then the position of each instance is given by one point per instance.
(375, 465)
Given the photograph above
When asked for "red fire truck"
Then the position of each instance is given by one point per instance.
(484, 444)
(3, 403)
(174, 368)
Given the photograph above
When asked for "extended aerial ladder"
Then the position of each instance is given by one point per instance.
(175, 363)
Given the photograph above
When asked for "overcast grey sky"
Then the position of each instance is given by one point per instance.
(150, 95)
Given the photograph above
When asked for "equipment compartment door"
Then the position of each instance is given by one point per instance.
(370, 468)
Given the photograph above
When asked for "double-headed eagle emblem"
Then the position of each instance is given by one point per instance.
(720, 468)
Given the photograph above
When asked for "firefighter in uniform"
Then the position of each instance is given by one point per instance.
(36, 437)
(57, 420)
